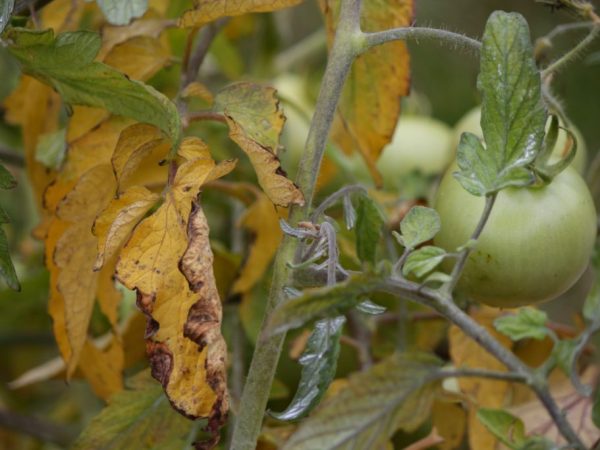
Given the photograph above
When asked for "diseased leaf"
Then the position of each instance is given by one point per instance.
(114, 225)
(255, 121)
(369, 227)
(168, 261)
(424, 260)
(506, 427)
(370, 103)
(319, 363)
(120, 12)
(262, 221)
(6, 9)
(512, 117)
(138, 417)
(206, 11)
(67, 64)
(419, 225)
(329, 301)
(482, 393)
(394, 394)
(526, 323)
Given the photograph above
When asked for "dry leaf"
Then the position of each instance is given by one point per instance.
(262, 221)
(103, 368)
(205, 11)
(483, 393)
(370, 104)
(255, 121)
(139, 58)
(450, 421)
(115, 35)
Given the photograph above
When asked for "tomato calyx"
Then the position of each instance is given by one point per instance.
(544, 169)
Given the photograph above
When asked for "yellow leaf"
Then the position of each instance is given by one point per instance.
(114, 225)
(483, 393)
(109, 297)
(83, 120)
(449, 420)
(115, 35)
(75, 254)
(135, 144)
(262, 221)
(205, 11)
(199, 90)
(139, 58)
(255, 121)
(370, 104)
(103, 368)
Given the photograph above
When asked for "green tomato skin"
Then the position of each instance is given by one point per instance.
(536, 244)
(419, 143)
(470, 122)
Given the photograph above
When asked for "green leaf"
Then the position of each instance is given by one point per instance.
(6, 9)
(395, 394)
(67, 64)
(120, 12)
(564, 351)
(591, 307)
(7, 181)
(526, 323)
(424, 260)
(323, 302)
(368, 307)
(369, 223)
(512, 116)
(509, 429)
(138, 417)
(319, 363)
(419, 225)
(51, 149)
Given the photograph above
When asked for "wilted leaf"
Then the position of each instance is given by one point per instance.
(394, 394)
(139, 58)
(67, 64)
(169, 262)
(465, 352)
(319, 363)
(120, 12)
(255, 122)
(370, 104)
(138, 417)
(329, 301)
(419, 225)
(424, 260)
(512, 116)
(206, 11)
(262, 221)
(577, 410)
(114, 225)
(526, 323)
(369, 227)
(450, 421)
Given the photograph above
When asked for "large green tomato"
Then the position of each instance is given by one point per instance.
(470, 123)
(419, 143)
(535, 245)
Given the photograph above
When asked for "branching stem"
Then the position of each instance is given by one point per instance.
(574, 53)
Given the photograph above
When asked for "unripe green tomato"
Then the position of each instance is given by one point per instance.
(470, 122)
(419, 143)
(535, 245)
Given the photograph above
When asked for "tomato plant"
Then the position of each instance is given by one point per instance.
(535, 245)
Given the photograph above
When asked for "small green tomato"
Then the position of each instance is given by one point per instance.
(535, 245)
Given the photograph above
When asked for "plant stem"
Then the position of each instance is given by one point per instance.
(448, 288)
(466, 372)
(574, 53)
(266, 354)
(455, 40)
(11, 157)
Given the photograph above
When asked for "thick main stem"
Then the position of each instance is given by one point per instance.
(267, 352)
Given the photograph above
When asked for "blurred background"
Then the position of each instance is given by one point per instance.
(285, 48)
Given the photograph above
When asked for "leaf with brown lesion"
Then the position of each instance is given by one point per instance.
(370, 103)
(206, 11)
(255, 121)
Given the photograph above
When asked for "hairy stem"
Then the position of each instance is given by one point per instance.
(574, 53)
(266, 355)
